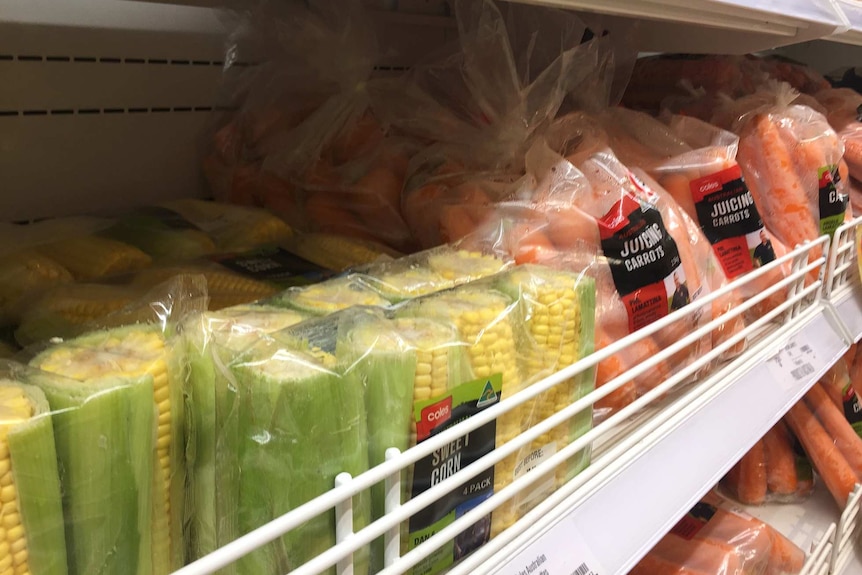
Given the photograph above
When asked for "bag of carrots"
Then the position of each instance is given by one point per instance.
(792, 162)
(715, 538)
(774, 469)
(696, 163)
(652, 258)
(304, 141)
(844, 112)
(829, 440)
(478, 106)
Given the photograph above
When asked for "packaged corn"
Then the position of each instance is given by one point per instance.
(93, 257)
(23, 274)
(211, 340)
(31, 505)
(161, 233)
(232, 228)
(431, 271)
(288, 392)
(330, 296)
(124, 409)
(338, 253)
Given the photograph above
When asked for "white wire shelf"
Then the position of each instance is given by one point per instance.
(679, 430)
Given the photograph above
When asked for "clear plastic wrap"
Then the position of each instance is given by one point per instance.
(829, 440)
(284, 389)
(843, 107)
(790, 158)
(480, 105)
(211, 341)
(119, 428)
(716, 538)
(775, 469)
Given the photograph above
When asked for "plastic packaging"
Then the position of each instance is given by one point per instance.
(790, 158)
(775, 469)
(829, 440)
(337, 253)
(211, 341)
(843, 112)
(717, 538)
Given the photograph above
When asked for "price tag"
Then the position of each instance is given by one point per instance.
(560, 551)
(793, 363)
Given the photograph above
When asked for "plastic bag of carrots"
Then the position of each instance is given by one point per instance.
(774, 469)
(696, 163)
(715, 538)
(652, 259)
(479, 105)
(844, 112)
(304, 142)
(792, 162)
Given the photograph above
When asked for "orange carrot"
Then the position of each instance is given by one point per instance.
(533, 246)
(856, 372)
(837, 426)
(827, 459)
(752, 476)
(784, 556)
(456, 222)
(780, 461)
(569, 226)
(679, 186)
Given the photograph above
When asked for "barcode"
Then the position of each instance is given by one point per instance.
(582, 570)
(802, 371)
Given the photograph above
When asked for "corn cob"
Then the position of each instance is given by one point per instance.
(162, 234)
(330, 296)
(486, 324)
(212, 339)
(398, 362)
(338, 253)
(314, 425)
(92, 257)
(404, 284)
(132, 352)
(32, 538)
(224, 287)
(462, 266)
(558, 313)
(233, 228)
(25, 274)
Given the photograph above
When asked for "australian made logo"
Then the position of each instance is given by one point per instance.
(488, 396)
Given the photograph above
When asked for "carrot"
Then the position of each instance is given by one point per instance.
(843, 170)
(752, 476)
(381, 184)
(653, 564)
(456, 222)
(780, 461)
(837, 426)
(328, 216)
(609, 369)
(679, 186)
(532, 245)
(856, 372)
(834, 382)
(784, 556)
(357, 140)
(698, 556)
(827, 459)
(567, 227)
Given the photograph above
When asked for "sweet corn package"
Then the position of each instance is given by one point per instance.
(270, 411)
(717, 537)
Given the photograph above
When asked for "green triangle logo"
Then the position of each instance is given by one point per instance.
(488, 396)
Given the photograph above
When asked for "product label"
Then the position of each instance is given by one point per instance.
(852, 408)
(273, 265)
(543, 487)
(833, 204)
(161, 218)
(730, 221)
(644, 261)
(432, 416)
(693, 521)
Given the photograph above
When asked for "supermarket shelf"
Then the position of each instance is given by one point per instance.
(852, 10)
(843, 287)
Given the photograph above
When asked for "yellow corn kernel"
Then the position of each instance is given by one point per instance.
(92, 257)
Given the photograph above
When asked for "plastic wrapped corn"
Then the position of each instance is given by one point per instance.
(232, 228)
(24, 274)
(338, 253)
(314, 424)
(431, 271)
(211, 340)
(93, 257)
(331, 296)
(161, 233)
(32, 538)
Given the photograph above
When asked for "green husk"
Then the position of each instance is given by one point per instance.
(34, 466)
(211, 341)
(104, 431)
(300, 424)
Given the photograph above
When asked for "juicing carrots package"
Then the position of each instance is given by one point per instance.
(775, 469)
(304, 142)
(791, 159)
(714, 537)
(829, 440)
(696, 163)
(479, 106)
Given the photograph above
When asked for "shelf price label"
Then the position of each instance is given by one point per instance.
(560, 551)
(793, 363)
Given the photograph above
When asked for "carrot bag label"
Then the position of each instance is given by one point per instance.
(730, 221)
(833, 204)
(693, 521)
(644, 260)
(432, 416)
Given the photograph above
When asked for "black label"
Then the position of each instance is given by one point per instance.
(728, 213)
(693, 521)
(274, 265)
(833, 204)
(637, 245)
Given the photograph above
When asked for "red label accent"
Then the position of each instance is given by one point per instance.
(646, 305)
(702, 187)
(432, 417)
(734, 256)
(617, 217)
